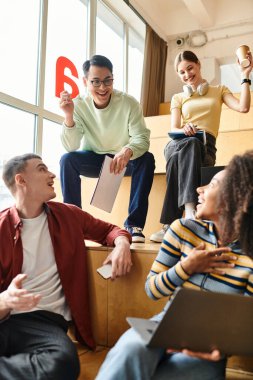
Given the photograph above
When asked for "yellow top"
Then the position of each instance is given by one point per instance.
(202, 110)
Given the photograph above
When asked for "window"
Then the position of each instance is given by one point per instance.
(17, 137)
(110, 42)
(19, 34)
(42, 41)
(52, 148)
(230, 77)
(135, 63)
(66, 37)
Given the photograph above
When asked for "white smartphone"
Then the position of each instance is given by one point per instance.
(105, 271)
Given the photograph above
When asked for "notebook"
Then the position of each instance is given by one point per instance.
(107, 187)
(201, 135)
(202, 321)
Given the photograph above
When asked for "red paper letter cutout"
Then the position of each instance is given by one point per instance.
(61, 78)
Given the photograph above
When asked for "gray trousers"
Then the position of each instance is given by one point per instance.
(35, 346)
(184, 158)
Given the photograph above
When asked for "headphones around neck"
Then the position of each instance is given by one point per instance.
(201, 89)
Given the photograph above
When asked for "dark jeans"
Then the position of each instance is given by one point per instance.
(184, 159)
(89, 164)
(35, 346)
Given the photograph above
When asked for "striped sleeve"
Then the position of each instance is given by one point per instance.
(249, 288)
(166, 273)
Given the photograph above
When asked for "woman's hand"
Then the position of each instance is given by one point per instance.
(212, 356)
(245, 71)
(190, 129)
(201, 260)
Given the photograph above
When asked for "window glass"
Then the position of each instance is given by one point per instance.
(19, 32)
(230, 77)
(66, 49)
(52, 147)
(135, 63)
(17, 137)
(109, 41)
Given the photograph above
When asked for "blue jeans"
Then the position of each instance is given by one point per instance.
(131, 359)
(88, 164)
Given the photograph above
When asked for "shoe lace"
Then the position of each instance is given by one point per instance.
(137, 229)
(165, 227)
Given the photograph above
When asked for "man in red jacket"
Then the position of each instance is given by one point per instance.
(43, 274)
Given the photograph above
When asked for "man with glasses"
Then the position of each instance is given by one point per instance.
(107, 122)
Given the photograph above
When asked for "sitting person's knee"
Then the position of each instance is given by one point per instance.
(68, 366)
(64, 158)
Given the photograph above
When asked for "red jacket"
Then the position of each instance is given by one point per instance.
(68, 226)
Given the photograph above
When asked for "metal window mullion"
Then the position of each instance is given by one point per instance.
(54, 117)
(18, 103)
(92, 15)
(125, 57)
(41, 76)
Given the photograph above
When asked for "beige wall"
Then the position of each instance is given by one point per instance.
(119, 211)
(220, 50)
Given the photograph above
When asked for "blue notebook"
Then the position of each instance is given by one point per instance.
(201, 135)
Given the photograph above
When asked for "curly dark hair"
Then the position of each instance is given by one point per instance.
(236, 200)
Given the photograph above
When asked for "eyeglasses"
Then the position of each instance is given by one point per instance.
(97, 83)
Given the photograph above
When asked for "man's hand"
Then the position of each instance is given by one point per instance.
(67, 105)
(201, 260)
(120, 257)
(17, 298)
(212, 356)
(120, 160)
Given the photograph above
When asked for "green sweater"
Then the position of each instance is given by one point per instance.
(120, 124)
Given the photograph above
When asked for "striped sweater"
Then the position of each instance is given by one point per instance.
(166, 273)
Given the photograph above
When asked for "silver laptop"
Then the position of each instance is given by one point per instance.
(202, 321)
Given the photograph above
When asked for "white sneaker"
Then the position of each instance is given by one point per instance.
(159, 235)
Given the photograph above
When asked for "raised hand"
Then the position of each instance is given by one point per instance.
(18, 298)
(201, 260)
(66, 104)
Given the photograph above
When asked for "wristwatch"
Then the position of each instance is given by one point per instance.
(246, 81)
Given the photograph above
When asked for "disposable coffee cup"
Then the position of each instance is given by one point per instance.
(241, 53)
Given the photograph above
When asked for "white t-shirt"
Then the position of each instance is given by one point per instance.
(40, 266)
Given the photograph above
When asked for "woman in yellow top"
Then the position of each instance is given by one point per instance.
(198, 107)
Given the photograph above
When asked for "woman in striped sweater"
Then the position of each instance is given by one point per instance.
(203, 254)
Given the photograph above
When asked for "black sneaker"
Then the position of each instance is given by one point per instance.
(137, 235)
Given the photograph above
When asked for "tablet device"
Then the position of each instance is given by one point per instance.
(175, 135)
(202, 321)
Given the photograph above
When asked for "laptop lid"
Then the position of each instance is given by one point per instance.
(203, 321)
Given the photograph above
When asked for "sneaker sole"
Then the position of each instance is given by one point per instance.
(156, 240)
(136, 239)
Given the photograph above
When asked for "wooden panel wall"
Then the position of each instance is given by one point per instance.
(112, 301)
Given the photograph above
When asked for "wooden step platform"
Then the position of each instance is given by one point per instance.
(91, 361)
(109, 309)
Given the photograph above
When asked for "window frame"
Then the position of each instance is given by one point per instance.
(38, 109)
